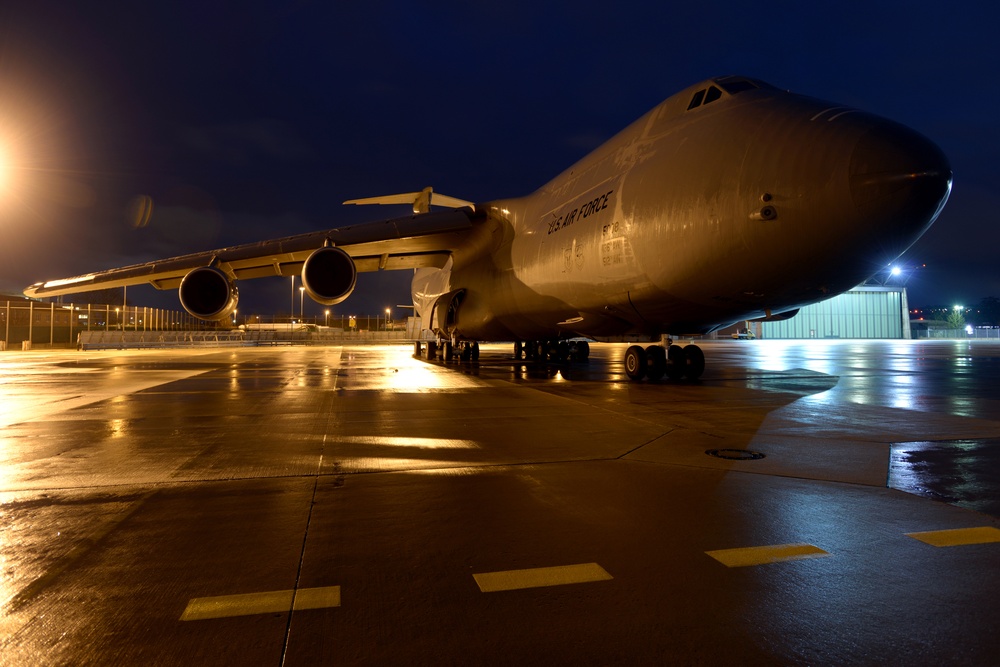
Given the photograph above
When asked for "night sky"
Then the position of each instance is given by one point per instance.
(244, 121)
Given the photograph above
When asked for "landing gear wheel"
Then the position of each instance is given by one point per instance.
(431, 350)
(695, 362)
(579, 351)
(676, 362)
(541, 351)
(448, 351)
(635, 362)
(656, 362)
(562, 351)
(518, 350)
(474, 350)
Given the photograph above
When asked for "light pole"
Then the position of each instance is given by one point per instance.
(387, 314)
(327, 313)
(291, 308)
(302, 299)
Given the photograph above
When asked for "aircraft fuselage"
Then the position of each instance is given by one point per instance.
(750, 205)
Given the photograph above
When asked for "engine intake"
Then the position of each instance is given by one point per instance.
(329, 275)
(208, 294)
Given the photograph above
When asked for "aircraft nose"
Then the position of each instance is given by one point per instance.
(899, 181)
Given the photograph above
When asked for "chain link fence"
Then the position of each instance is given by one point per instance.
(28, 325)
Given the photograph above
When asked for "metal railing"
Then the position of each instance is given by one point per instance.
(982, 333)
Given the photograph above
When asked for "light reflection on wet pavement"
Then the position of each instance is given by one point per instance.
(132, 483)
(961, 472)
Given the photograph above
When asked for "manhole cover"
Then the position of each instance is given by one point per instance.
(735, 454)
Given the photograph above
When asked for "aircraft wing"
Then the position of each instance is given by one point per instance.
(420, 240)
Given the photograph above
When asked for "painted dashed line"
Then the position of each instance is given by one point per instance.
(510, 580)
(958, 536)
(777, 553)
(249, 604)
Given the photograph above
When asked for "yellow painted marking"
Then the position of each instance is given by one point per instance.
(958, 536)
(270, 602)
(317, 598)
(511, 580)
(776, 553)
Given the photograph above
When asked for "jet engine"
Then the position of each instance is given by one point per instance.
(208, 293)
(329, 275)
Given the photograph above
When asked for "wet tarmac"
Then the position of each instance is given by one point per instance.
(328, 505)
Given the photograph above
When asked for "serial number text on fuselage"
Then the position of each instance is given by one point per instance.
(584, 211)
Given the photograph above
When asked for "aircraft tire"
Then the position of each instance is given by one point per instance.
(656, 362)
(447, 352)
(541, 351)
(416, 349)
(695, 362)
(579, 351)
(635, 362)
(518, 350)
(676, 362)
(431, 350)
(474, 350)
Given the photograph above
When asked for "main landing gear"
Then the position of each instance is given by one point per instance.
(552, 350)
(447, 351)
(656, 361)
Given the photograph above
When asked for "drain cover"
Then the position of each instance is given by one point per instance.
(735, 454)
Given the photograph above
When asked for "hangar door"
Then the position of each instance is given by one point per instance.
(863, 312)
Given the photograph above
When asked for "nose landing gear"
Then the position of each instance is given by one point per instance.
(656, 361)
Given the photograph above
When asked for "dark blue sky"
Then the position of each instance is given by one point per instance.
(249, 120)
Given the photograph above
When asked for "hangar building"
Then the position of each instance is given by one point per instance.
(867, 311)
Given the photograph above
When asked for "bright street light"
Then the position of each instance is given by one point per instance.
(3, 168)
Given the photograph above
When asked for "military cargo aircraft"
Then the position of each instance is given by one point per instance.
(731, 200)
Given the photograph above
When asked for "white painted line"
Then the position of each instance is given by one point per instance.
(538, 577)
(958, 536)
(249, 604)
(776, 553)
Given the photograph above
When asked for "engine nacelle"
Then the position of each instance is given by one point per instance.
(444, 313)
(329, 275)
(208, 293)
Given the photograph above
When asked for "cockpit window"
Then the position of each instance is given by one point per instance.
(705, 97)
(737, 86)
(696, 100)
(733, 85)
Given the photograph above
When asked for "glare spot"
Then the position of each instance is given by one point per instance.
(405, 441)
(140, 210)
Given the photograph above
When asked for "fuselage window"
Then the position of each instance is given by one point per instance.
(696, 100)
(713, 94)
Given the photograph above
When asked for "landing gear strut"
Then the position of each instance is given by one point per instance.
(552, 350)
(656, 361)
